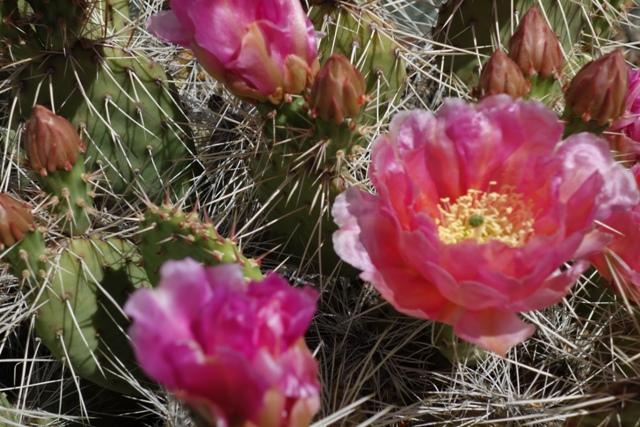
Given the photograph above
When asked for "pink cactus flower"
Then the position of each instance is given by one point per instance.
(260, 49)
(624, 134)
(619, 261)
(231, 349)
(476, 210)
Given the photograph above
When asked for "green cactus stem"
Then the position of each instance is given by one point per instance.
(168, 233)
(126, 112)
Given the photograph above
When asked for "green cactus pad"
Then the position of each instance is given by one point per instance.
(132, 125)
(79, 314)
(60, 23)
(167, 233)
(73, 194)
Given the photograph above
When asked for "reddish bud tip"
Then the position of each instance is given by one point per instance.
(599, 89)
(338, 91)
(535, 47)
(51, 142)
(501, 75)
(15, 220)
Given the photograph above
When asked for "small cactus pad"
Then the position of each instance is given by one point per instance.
(168, 233)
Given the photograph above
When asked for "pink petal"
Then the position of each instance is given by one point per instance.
(493, 330)
(165, 25)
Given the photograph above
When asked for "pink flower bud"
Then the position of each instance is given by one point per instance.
(51, 142)
(502, 75)
(535, 47)
(261, 50)
(232, 349)
(338, 91)
(15, 220)
(599, 89)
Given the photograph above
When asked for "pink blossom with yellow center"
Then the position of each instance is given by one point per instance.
(477, 208)
(232, 349)
(260, 49)
(619, 261)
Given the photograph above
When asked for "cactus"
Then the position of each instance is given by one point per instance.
(122, 103)
(77, 289)
(166, 232)
(465, 29)
(305, 162)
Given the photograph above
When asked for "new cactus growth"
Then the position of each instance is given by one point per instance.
(168, 233)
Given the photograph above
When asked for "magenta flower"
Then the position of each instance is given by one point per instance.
(260, 49)
(624, 134)
(619, 261)
(232, 349)
(476, 210)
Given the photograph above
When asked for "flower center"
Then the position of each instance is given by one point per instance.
(483, 216)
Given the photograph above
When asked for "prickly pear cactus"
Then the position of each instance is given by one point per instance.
(122, 103)
(472, 29)
(78, 288)
(166, 232)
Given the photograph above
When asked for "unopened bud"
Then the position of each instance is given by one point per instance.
(535, 47)
(599, 89)
(501, 75)
(15, 220)
(338, 91)
(51, 142)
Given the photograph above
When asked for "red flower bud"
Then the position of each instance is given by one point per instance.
(535, 47)
(15, 220)
(51, 142)
(599, 89)
(338, 91)
(501, 75)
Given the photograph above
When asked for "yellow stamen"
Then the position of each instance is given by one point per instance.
(483, 216)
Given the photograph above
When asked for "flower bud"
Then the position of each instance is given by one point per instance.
(51, 142)
(501, 75)
(15, 220)
(535, 47)
(338, 91)
(599, 89)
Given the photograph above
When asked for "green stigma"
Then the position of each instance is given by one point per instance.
(476, 220)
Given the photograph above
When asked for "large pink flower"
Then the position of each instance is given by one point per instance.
(260, 49)
(477, 209)
(232, 349)
(619, 261)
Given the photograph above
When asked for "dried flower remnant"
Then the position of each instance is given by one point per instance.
(233, 350)
(464, 230)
